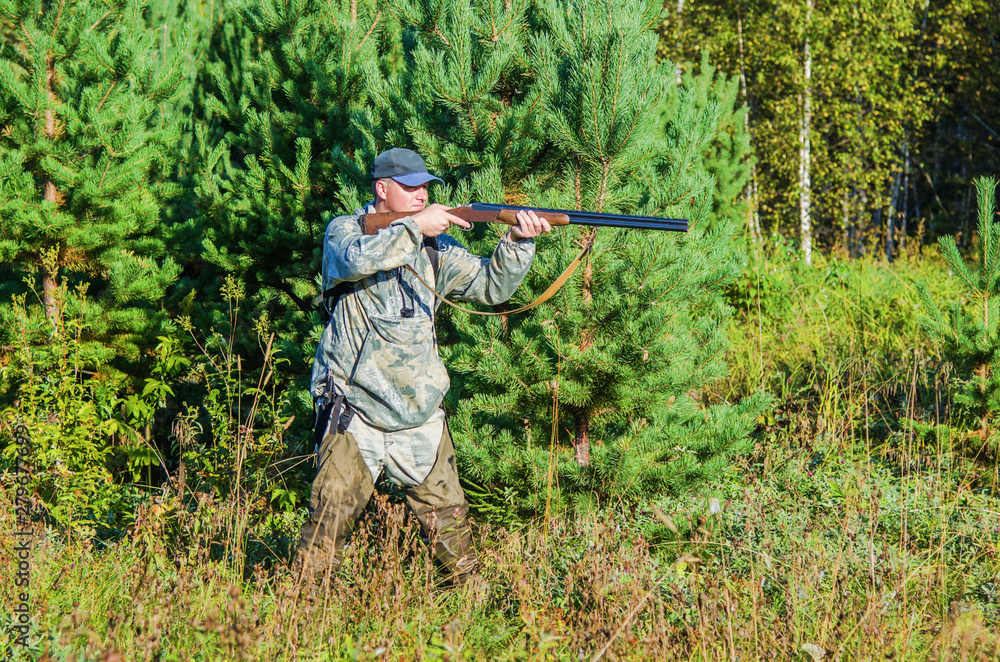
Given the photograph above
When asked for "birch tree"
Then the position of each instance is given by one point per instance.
(836, 90)
(805, 163)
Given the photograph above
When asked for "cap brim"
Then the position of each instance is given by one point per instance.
(417, 179)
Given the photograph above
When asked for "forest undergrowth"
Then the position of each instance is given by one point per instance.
(861, 526)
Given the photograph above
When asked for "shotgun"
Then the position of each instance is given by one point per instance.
(479, 212)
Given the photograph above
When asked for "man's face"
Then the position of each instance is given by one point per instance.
(399, 197)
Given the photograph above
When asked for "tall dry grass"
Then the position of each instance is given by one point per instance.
(875, 568)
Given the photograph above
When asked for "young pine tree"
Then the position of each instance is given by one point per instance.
(460, 94)
(564, 107)
(83, 149)
(970, 335)
(302, 73)
(729, 156)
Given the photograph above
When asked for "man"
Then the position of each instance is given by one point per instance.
(378, 379)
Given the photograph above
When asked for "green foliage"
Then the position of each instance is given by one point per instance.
(229, 433)
(200, 422)
(87, 452)
(729, 155)
(83, 152)
(818, 337)
(566, 108)
(880, 85)
(969, 329)
(293, 73)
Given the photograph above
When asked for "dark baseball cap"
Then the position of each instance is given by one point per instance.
(403, 165)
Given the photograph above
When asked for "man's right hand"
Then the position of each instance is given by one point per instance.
(435, 219)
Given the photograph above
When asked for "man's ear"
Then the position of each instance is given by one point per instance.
(379, 188)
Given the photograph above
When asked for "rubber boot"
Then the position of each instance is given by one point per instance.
(440, 505)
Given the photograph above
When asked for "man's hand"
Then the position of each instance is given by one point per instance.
(528, 226)
(435, 219)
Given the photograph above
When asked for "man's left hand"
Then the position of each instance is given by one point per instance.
(528, 226)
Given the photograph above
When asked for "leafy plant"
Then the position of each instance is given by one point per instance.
(229, 433)
(87, 432)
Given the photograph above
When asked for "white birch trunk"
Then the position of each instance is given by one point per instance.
(680, 22)
(805, 172)
(753, 218)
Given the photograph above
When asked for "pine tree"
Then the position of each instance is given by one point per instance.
(729, 157)
(214, 49)
(564, 107)
(460, 96)
(970, 335)
(219, 48)
(83, 157)
(270, 187)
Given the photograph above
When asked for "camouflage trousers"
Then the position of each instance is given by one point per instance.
(343, 487)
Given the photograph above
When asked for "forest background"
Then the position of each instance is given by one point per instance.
(770, 437)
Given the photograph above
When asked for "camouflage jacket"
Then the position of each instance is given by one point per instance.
(380, 348)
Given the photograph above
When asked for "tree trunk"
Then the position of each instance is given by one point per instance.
(680, 23)
(890, 230)
(845, 220)
(805, 173)
(49, 296)
(50, 269)
(504, 319)
(967, 230)
(906, 196)
(753, 218)
(587, 279)
(581, 441)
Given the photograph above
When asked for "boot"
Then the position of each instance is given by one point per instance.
(440, 505)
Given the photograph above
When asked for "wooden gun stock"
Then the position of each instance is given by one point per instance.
(375, 222)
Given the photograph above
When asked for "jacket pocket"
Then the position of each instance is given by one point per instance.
(399, 373)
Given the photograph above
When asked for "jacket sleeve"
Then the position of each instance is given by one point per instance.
(463, 276)
(350, 255)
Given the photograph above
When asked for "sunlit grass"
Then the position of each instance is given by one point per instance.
(857, 529)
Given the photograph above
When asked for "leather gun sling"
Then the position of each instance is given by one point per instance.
(545, 296)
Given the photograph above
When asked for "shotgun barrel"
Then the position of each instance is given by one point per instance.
(597, 220)
(481, 212)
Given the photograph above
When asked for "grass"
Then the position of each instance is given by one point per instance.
(810, 547)
(857, 529)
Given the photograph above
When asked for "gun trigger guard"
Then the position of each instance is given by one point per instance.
(471, 224)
